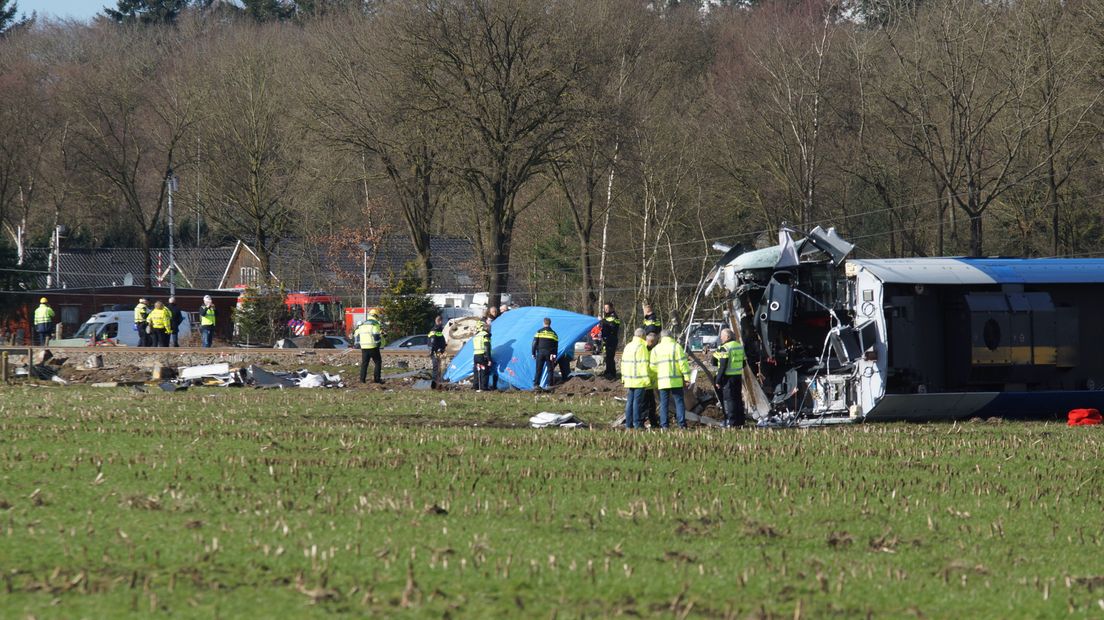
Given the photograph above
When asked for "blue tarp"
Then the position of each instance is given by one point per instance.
(512, 343)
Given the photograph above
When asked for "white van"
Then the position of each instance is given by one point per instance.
(114, 327)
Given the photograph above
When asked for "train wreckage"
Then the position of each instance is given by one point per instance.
(831, 339)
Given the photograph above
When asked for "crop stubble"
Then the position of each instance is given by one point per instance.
(245, 502)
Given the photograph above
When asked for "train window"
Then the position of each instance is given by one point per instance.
(991, 334)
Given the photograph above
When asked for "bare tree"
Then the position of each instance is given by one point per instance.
(359, 101)
(127, 124)
(960, 102)
(499, 80)
(253, 156)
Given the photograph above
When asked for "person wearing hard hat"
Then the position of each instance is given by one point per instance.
(369, 335)
(43, 322)
(141, 315)
(207, 321)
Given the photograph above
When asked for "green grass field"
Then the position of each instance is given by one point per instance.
(231, 503)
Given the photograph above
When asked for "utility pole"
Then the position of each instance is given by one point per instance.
(170, 182)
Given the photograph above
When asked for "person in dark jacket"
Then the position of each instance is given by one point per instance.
(437, 347)
(611, 335)
(176, 317)
(545, 345)
(652, 324)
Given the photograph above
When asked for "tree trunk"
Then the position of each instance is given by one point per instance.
(976, 240)
(147, 249)
(588, 299)
(500, 261)
(263, 255)
(423, 257)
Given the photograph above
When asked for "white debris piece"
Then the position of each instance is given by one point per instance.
(207, 370)
(312, 380)
(547, 419)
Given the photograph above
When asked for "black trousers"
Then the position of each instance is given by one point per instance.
(160, 338)
(544, 360)
(143, 337)
(648, 408)
(480, 372)
(41, 336)
(371, 355)
(732, 395)
(610, 347)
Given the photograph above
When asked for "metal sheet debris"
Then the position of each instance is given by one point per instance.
(547, 419)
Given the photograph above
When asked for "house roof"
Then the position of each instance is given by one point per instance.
(303, 266)
(103, 267)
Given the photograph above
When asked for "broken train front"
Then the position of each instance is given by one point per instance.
(831, 339)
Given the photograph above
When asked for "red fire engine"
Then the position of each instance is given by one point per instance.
(314, 312)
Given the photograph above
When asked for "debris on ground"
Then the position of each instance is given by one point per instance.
(547, 419)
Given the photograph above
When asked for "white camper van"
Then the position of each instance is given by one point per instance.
(113, 328)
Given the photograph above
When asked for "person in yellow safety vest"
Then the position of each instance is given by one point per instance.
(141, 314)
(636, 375)
(652, 324)
(729, 359)
(43, 322)
(207, 319)
(481, 357)
(672, 371)
(160, 323)
(546, 344)
(369, 335)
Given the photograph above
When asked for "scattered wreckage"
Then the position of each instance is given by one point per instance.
(43, 366)
(830, 339)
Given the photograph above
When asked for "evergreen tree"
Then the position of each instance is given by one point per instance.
(146, 11)
(405, 306)
(262, 317)
(269, 10)
(8, 21)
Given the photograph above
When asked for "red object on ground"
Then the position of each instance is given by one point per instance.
(1084, 417)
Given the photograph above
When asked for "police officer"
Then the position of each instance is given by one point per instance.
(369, 335)
(729, 359)
(545, 345)
(481, 356)
(437, 347)
(652, 324)
(43, 322)
(611, 334)
(207, 319)
(176, 318)
(141, 315)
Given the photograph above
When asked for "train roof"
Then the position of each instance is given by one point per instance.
(980, 271)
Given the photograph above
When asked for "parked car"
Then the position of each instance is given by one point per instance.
(704, 335)
(417, 342)
(340, 342)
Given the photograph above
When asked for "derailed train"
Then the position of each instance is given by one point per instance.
(832, 339)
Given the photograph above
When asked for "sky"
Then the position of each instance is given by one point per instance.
(77, 9)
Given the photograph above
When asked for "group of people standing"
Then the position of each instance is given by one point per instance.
(159, 326)
(655, 362)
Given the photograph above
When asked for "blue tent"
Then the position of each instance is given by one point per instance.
(512, 342)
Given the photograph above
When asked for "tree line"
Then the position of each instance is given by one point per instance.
(591, 151)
